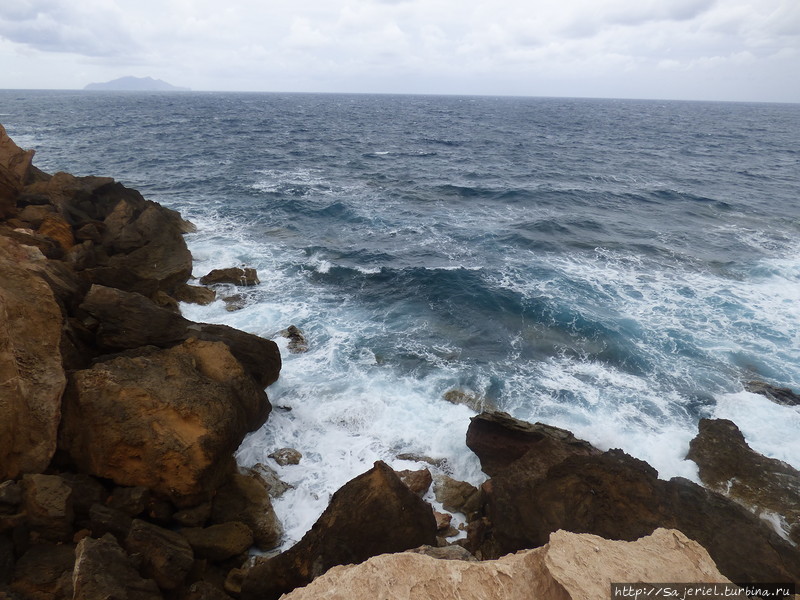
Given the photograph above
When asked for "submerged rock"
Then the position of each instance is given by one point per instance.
(286, 456)
(297, 341)
(570, 566)
(779, 395)
(370, 515)
(729, 466)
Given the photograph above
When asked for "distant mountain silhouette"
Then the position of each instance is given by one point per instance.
(136, 84)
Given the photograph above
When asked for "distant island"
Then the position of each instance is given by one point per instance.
(136, 84)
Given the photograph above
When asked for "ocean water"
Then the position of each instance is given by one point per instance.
(618, 268)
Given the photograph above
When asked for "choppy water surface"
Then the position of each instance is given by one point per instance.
(617, 268)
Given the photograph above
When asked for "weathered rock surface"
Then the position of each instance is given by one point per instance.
(15, 168)
(570, 567)
(729, 466)
(32, 378)
(286, 456)
(219, 542)
(44, 572)
(233, 275)
(456, 496)
(165, 419)
(418, 482)
(246, 498)
(48, 505)
(372, 514)
(167, 557)
(297, 341)
(103, 571)
(499, 439)
(619, 497)
(779, 395)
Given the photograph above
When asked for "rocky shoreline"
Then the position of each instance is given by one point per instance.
(119, 419)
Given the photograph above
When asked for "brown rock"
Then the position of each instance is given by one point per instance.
(220, 542)
(499, 439)
(48, 505)
(729, 466)
(233, 275)
(103, 571)
(372, 514)
(167, 556)
(246, 498)
(131, 500)
(456, 496)
(443, 521)
(35, 215)
(468, 399)
(104, 519)
(167, 420)
(128, 320)
(194, 294)
(86, 492)
(15, 166)
(58, 230)
(286, 456)
(417, 481)
(44, 572)
(450, 552)
(618, 497)
(570, 567)
(779, 395)
(274, 485)
(10, 495)
(297, 341)
(32, 378)
(196, 516)
(203, 590)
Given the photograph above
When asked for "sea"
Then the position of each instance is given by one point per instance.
(618, 268)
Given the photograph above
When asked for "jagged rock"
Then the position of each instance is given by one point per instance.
(275, 486)
(443, 521)
(570, 567)
(456, 496)
(417, 481)
(57, 229)
(48, 505)
(297, 341)
(468, 399)
(194, 294)
(286, 456)
(167, 420)
(103, 571)
(104, 519)
(372, 514)
(167, 556)
(619, 497)
(499, 439)
(233, 275)
(729, 466)
(246, 498)
(44, 572)
(32, 378)
(128, 320)
(779, 395)
(450, 552)
(220, 542)
(15, 169)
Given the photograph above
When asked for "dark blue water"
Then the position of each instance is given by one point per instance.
(615, 267)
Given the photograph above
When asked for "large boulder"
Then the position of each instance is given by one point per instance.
(499, 439)
(570, 567)
(729, 466)
(619, 497)
(168, 420)
(167, 557)
(32, 378)
(15, 166)
(374, 513)
(246, 498)
(127, 320)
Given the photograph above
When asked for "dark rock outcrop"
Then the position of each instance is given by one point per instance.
(619, 497)
(779, 395)
(373, 514)
(499, 439)
(729, 466)
(167, 557)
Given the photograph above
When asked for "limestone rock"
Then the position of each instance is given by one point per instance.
(246, 498)
(417, 481)
(729, 466)
(48, 505)
(779, 395)
(103, 571)
(499, 439)
(286, 456)
(32, 378)
(456, 496)
(194, 294)
(274, 485)
(570, 567)
(451, 552)
(219, 542)
(233, 275)
(619, 497)
(167, 420)
(370, 515)
(167, 556)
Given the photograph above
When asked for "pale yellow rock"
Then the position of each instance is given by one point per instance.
(570, 567)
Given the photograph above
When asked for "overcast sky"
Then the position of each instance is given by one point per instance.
(670, 49)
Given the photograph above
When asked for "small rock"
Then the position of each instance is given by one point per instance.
(468, 399)
(286, 456)
(235, 302)
(130, 500)
(442, 520)
(47, 501)
(194, 294)
(167, 556)
(104, 571)
(194, 517)
(234, 275)
(220, 542)
(456, 496)
(297, 341)
(413, 457)
(275, 486)
(105, 519)
(417, 481)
